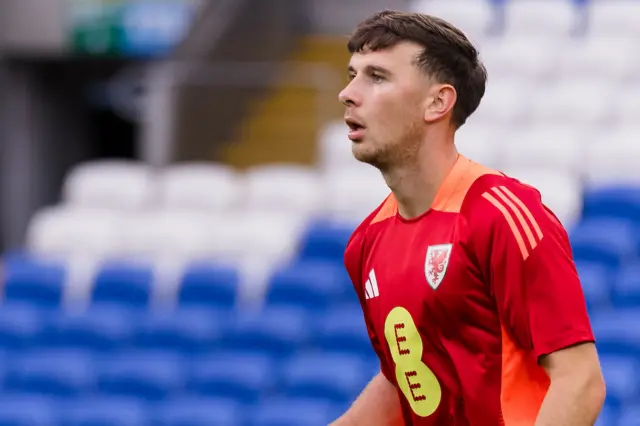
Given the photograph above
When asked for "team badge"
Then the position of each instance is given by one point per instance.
(436, 262)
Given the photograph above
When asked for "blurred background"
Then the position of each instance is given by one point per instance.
(177, 189)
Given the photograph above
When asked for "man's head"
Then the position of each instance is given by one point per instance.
(408, 72)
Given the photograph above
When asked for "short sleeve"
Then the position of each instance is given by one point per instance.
(353, 258)
(526, 256)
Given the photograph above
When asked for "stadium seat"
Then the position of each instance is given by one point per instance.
(184, 330)
(199, 187)
(612, 202)
(596, 283)
(343, 329)
(294, 412)
(281, 187)
(244, 376)
(124, 283)
(506, 102)
(481, 142)
(620, 17)
(103, 329)
(608, 416)
(334, 377)
(609, 242)
(170, 234)
(335, 148)
(63, 232)
(209, 285)
(625, 110)
(110, 411)
(350, 195)
(51, 373)
(23, 410)
(626, 287)
(199, 412)
(540, 18)
(34, 281)
(630, 416)
(473, 17)
(309, 284)
(275, 331)
(325, 240)
(593, 58)
(146, 375)
(21, 326)
(120, 185)
(617, 332)
(533, 58)
(621, 376)
(610, 157)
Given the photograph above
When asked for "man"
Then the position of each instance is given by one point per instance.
(467, 283)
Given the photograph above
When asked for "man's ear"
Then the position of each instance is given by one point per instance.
(441, 100)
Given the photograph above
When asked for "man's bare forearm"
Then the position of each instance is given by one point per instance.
(377, 405)
(572, 403)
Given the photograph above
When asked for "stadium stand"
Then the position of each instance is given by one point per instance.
(198, 295)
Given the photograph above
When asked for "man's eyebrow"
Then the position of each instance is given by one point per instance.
(370, 69)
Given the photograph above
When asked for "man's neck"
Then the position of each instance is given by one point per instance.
(415, 185)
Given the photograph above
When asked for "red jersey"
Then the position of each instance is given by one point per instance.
(462, 301)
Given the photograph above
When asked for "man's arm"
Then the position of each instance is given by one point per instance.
(577, 389)
(377, 405)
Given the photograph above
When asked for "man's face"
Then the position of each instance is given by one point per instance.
(385, 104)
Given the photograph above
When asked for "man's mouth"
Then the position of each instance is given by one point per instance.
(356, 128)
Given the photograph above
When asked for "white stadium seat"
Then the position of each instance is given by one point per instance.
(612, 156)
(619, 17)
(528, 57)
(335, 147)
(482, 143)
(607, 56)
(573, 100)
(540, 18)
(351, 194)
(553, 146)
(121, 185)
(505, 101)
(199, 186)
(627, 105)
(473, 17)
(282, 188)
(561, 191)
(67, 232)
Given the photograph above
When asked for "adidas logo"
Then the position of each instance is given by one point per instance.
(371, 287)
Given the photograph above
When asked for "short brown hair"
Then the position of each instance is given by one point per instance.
(448, 55)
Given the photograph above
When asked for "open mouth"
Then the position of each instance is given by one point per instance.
(353, 124)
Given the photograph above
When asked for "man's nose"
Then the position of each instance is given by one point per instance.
(347, 96)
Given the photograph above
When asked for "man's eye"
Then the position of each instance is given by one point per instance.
(377, 78)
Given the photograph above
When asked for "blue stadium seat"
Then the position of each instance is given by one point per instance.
(26, 410)
(332, 377)
(325, 240)
(34, 281)
(209, 285)
(343, 329)
(147, 375)
(621, 376)
(100, 328)
(294, 412)
(596, 283)
(630, 416)
(277, 332)
(186, 330)
(127, 284)
(243, 376)
(621, 202)
(627, 287)
(608, 417)
(98, 411)
(21, 326)
(200, 412)
(608, 242)
(309, 284)
(617, 332)
(52, 373)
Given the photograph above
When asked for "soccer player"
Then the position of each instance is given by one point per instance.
(466, 280)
